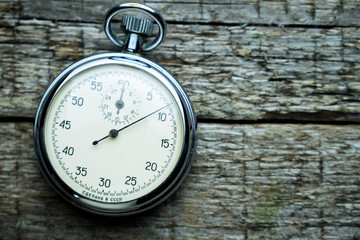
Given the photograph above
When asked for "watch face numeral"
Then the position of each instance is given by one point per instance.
(149, 96)
(96, 86)
(151, 166)
(130, 181)
(165, 143)
(162, 116)
(68, 151)
(66, 124)
(104, 182)
(77, 101)
(81, 171)
(123, 83)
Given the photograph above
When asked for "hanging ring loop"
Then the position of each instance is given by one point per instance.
(135, 7)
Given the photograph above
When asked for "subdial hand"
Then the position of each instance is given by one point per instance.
(119, 104)
(113, 132)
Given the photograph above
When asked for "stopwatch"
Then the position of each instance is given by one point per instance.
(115, 133)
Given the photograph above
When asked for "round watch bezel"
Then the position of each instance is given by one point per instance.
(165, 189)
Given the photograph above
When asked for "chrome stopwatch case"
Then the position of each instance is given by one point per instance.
(115, 133)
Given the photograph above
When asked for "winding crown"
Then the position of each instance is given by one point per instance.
(137, 25)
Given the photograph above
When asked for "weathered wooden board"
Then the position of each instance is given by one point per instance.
(272, 181)
(295, 12)
(234, 73)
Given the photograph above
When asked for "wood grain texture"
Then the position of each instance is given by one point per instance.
(251, 181)
(251, 68)
(298, 12)
(235, 73)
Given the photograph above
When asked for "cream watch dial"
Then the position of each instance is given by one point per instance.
(114, 133)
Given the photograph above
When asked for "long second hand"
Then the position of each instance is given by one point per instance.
(114, 132)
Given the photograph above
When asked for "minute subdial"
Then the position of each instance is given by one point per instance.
(120, 104)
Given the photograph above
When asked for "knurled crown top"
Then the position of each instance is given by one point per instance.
(137, 25)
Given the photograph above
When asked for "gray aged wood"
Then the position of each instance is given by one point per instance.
(276, 85)
(232, 73)
(245, 183)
